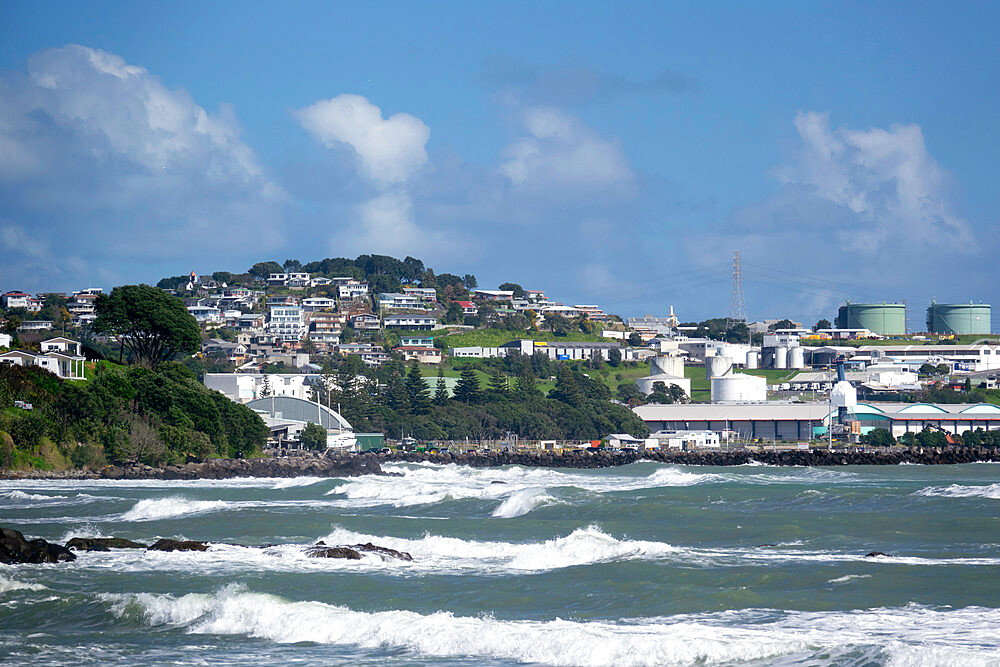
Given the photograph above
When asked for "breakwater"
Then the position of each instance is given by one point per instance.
(336, 464)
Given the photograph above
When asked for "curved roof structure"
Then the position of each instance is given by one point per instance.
(300, 410)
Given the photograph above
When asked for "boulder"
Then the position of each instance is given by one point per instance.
(177, 545)
(102, 544)
(15, 549)
(384, 552)
(876, 554)
(321, 550)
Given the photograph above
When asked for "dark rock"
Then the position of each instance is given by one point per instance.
(102, 544)
(15, 549)
(178, 545)
(876, 554)
(382, 551)
(320, 550)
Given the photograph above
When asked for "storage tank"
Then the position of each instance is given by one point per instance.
(717, 367)
(796, 358)
(767, 357)
(739, 388)
(645, 384)
(667, 365)
(886, 319)
(958, 318)
(781, 357)
(753, 359)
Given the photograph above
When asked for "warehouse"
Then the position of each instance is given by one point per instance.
(803, 421)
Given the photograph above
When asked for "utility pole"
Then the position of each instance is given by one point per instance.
(737, 303)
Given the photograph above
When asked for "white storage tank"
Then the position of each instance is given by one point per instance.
(781, 357)
(645, 384)
(667, 365)
(717, 367)
(753, 359)
(797, 358)
(739, 388)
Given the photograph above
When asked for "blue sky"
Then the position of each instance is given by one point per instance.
(612, 153)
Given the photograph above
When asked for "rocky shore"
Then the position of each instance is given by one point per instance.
(334, 464)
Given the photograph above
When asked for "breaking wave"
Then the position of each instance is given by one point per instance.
(152, 509)
(7, 584)
(912, 634)
(21, 495)
(961, 491)
(521, 502)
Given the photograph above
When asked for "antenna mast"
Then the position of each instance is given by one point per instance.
(737, 304)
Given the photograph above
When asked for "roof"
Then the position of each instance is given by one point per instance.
(775, 411)
(416, 348)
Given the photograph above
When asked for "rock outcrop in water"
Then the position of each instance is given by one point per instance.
(353, 552)
(103, 544)
(177, 545)
(14, 548)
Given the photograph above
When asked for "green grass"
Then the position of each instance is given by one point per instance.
(498, 337)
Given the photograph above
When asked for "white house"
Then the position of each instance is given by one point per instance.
(287, 323)
(420, 322)
(66, 366)
(245, 387)
(5, 340)
(15, 300)
(60, 344)
(428, 294)
(394, 300)
(352, 289)
(205, 314)
(318, 303)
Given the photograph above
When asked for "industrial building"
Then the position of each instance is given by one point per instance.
(958, 318)
(885, 319)
(805, 421)
(287, 416)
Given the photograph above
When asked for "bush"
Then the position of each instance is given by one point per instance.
(313, 436)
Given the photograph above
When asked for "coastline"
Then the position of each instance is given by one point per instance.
(330, 464)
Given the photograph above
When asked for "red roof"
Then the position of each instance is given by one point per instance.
(465, 304)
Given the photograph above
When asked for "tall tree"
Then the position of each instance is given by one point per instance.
(467, 389)
(499, 383)
(566, 390)
(150, 323)
(822, 324)
(469, 281)
(418, 391)
(394, 394)
(441, 393)
(525, 386)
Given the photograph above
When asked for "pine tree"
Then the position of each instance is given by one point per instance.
(441, 393)
(394, 394)
(467, 390)
(499, 382)
(265, 391)
(418, 391)
(525, 386)
(566, 389)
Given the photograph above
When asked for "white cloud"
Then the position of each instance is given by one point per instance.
(389, 150)
(886, 178)
(562, 153)
(98, 157)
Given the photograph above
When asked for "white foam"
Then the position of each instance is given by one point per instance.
(7, 584)
(848, 577)
(294, 482)
(152, 509)
(521, 502)
(903, 635)
(991, 491)
(86, 530)
(17, 494)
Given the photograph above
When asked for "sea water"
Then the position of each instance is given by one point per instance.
(646, 564)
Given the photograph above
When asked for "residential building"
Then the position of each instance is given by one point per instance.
(364, 322)
(65, 366)
(205, 314)
(426, 294)
(468, 308)
(82, 304)
(35, 325)
(298, 280)
(492, 295)
(416, 341)
(286, 323)
(277, 279)
(535, 295)
(245, 387)
(6, 340)
(424, 355)
(60, 344)
(16, 300)
(416, 322)
(318, 303)
(352, 290)
(395, 301)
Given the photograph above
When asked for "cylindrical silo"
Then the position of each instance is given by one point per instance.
(767, 357)
(739, 388)
(886, 319)
(958, 318)
(717, 367)
(753, 359)
(667, 365)
(781, 357)
(797, 358)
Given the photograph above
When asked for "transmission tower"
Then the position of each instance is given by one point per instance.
(737, 304)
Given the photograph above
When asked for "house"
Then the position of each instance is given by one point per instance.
(364, 322)
(425, 355)
(426, 294)
(418, 322)
(205, 314)
(286, 323)
(5, 340)
(417, 341)
(35, 325)
(281, 301)
(315, 303)
(468, 308)
(320, 281)
(245, 387)
(60, 344)
(352, 289)
(493, 295)
(66, 366)
(277, 279)
(535, 295)
(82, 304)
(16, 300)
(251, 322)
(394, 300)
(298, 280)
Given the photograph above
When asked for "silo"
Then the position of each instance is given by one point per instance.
(717, 367)
(958, 318)
(753, 359)
(739, 388)
(797, 358)
(667, 365)
(767, 357)
(886, 319)
(781, 357)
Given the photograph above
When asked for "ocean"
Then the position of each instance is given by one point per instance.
(646, 564)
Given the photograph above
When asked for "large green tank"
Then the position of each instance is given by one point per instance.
(958, 318)
(886, 319)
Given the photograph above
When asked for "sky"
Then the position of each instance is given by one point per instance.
(608, 153)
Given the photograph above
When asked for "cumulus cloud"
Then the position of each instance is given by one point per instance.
(896, 191)
(561, 154)
(99, 155)
(389, 150)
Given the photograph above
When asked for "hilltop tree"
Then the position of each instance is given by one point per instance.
(822, 324)
(152, 325)
(469, 281)
(261, 270)
(515, 288)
